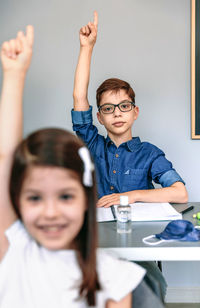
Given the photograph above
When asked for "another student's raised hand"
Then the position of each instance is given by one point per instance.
(88, 33)
(16, 54)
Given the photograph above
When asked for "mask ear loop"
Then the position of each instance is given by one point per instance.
(145, 240)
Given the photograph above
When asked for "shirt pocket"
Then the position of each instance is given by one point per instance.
(133, 179)
(101, 169)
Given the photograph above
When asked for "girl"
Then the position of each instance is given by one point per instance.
(48, 234)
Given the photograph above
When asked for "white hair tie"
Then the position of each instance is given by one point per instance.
(88, 166)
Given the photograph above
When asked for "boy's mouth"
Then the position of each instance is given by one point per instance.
(118, 124)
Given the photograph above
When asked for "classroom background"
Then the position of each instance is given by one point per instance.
(147, 43)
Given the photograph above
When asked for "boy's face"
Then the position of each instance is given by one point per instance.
(118, 123)
(52, 206)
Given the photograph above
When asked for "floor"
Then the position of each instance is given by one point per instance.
(185, 305)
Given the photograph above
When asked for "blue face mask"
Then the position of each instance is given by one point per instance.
(176, 230)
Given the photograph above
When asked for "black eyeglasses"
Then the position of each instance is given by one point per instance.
(124, 106)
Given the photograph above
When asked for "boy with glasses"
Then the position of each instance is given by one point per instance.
(125, 165)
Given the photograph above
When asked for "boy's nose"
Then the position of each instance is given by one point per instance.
(117, 111)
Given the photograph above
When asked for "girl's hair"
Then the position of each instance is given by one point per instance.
(114, 85)
(59, 148)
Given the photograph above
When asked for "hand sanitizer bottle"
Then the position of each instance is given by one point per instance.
(124, 216)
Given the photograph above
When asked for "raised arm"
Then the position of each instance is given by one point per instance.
(15, 57)
(88, 36)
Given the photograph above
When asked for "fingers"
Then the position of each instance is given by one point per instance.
(15, 46)
(30, 35)
(105, 204)
(27, 39)
(85, 30)
(91, 27)
(100, 204)
(6, 49)
(108, 200)
(95, 19)
(11, 48)
(18, 46)
(109, 204)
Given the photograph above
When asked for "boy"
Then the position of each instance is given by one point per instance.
(125, 165)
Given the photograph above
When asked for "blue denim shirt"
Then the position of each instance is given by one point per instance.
(131, 166)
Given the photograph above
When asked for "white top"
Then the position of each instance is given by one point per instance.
(34, 277)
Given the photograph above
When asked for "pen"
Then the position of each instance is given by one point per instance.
(113, 212)
(188, 209)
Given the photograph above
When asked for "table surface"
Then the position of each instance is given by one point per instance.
(131, 246)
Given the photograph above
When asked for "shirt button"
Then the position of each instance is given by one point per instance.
(114, 171)
(111, 187)
(116, 155)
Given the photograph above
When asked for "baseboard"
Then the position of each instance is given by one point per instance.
(183, 295)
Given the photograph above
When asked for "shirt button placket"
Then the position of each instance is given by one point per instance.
(114, 171)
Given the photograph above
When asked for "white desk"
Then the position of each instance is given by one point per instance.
(131, 247)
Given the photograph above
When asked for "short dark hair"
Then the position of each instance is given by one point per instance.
(114, 85)
(59, 148)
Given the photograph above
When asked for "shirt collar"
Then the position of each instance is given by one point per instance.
(108, 141)
(133, 144)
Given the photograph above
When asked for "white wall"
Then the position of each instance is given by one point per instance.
(146, 42)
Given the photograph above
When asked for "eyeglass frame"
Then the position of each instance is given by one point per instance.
(117, 105)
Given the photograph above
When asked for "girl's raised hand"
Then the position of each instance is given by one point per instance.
(88, 33)
(16, 54)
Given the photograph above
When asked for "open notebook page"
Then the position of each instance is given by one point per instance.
(143, 212)
(104, 214)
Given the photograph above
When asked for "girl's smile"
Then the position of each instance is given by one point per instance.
(52, 206)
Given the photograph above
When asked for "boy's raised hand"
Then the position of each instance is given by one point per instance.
(88, 33)
(16, 54)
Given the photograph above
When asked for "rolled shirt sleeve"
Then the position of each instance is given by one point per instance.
(170, 177)
(81, 117)
(162, 171)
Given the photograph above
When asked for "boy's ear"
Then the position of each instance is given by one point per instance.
(136, 111)
(99, 118)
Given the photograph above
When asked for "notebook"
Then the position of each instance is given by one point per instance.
(142, 212)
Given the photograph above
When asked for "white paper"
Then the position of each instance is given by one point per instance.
(143, 212)
(104, 214)
(153, 211)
